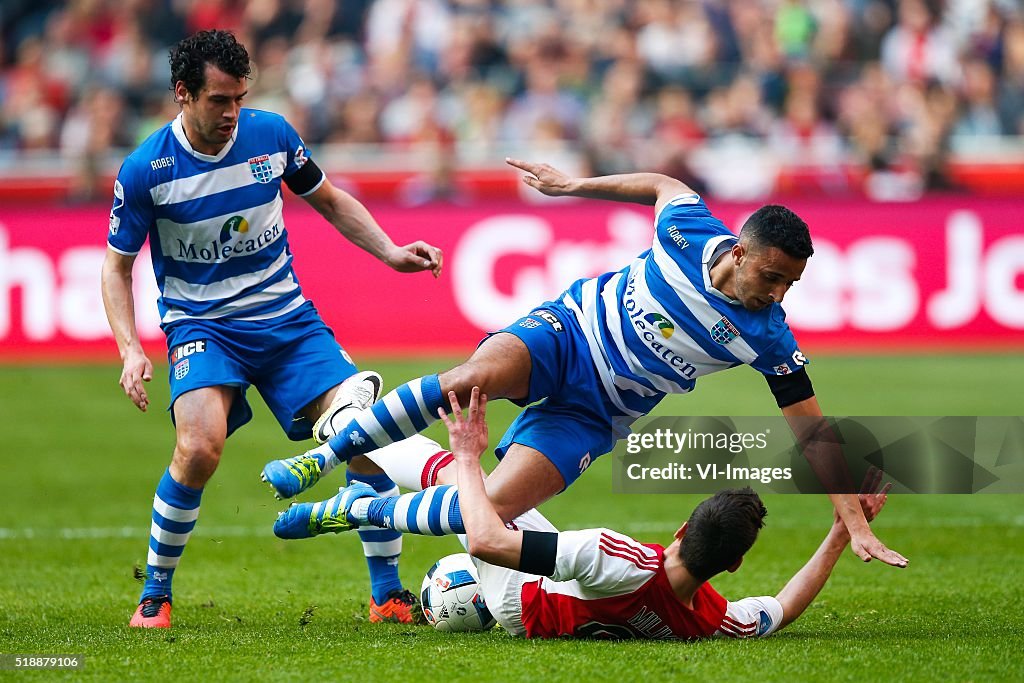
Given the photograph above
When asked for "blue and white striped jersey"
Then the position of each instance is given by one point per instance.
(215, 227)
(657, 325)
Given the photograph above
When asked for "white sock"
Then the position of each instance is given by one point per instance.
(359, 508)
(412, 463)
(329, 458)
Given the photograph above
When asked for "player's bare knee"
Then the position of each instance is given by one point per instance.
(447, 476)
(463, 378)
(509, 509)
(496, 378)
(196, 456)
(360, 464)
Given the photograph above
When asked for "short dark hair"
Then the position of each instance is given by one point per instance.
(190, 56)
(776, 226)
(720, 530)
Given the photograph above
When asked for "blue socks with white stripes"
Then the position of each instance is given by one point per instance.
(434, 511)
(407, 410)
(382, 547)
(175, 511)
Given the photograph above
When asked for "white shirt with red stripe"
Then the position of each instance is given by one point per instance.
(607, 585)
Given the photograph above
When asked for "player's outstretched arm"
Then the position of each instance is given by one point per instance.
(119, 304)
(487, 536)
(354, 222)
(824, 453)
(808, 582)
(652, 189)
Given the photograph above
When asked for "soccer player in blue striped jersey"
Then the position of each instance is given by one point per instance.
(206, 191)
(610, 348)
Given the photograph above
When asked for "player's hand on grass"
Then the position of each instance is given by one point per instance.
(137, 369)
(868, 547)
(543, 178)
(872, 499)
(467, 433)
(416, 257)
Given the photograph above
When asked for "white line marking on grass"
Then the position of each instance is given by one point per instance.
(214, 532)
(91, 533)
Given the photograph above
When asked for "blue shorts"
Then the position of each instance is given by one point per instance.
(576, 422)
(291, 359)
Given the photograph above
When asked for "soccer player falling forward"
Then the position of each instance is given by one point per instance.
(597, 583)
(206, 190)
(607, 350)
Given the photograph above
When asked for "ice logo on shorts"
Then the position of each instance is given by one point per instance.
(181, 369)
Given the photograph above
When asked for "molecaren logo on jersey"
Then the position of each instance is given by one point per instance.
(218, 250)
(261, 169)
(642, 323)
(233, 224)
(662, 323)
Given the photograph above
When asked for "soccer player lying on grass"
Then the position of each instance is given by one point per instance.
(596, 583)
(610, 348)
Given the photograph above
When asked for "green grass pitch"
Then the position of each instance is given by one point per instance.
(80, 466)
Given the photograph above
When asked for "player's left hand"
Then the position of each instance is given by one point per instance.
(415, 257)
(467, 434)
(544, 178)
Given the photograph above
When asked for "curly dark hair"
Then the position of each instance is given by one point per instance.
(776, 226)
(190, 56)
(720, 530)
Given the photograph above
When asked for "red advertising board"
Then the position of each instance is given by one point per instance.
(940, 273)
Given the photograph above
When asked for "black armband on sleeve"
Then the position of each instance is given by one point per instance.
(305, 179)
(791, 388)
(540, 548)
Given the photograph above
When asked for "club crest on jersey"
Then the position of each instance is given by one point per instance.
(724, 331)
(261, 169)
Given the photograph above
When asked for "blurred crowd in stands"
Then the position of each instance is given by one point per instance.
(679, 86)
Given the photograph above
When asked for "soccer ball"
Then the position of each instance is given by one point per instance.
(451, 597)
